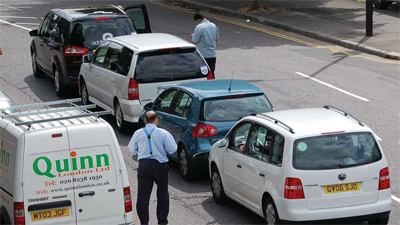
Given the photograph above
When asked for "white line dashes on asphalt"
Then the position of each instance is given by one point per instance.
(333, 87)
(10, 7)
(15, 25)
(19, 17)
(396, 198)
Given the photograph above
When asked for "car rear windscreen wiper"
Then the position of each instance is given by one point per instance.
(348, 165)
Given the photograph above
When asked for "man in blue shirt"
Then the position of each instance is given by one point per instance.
(205, 37)
(152, 144)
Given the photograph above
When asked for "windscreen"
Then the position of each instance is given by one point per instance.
(335, 151)
(170, 65)
(232, 109)
(90, 33)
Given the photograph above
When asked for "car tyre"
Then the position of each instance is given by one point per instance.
(380, 4)
(84, 93)
(37, 72)
(122, 125)
(59, 87)
(380, 221)
(217, 187)
(270, 212)
(185, 165)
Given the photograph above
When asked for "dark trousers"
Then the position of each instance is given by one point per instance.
(150, 171)
(211, 63)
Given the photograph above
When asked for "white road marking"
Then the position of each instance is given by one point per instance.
(15, 25)
(331, 86)
(10, 7)
(35, 24)
(396, 198)
(19, 17)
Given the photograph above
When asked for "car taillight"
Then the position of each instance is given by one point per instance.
(210, 76)
(19, 213)
(293, 188)
(204, 130)
(133, 90)
(75, 51)
(102, 18)
(384, 179)
(127, 199)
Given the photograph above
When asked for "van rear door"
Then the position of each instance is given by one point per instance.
(140, 18)
(47, 178)
(98, 180)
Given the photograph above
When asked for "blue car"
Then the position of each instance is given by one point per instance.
(198, 114)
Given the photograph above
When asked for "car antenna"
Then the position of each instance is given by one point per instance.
(230, 84)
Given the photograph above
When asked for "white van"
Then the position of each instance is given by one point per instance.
(61, 166)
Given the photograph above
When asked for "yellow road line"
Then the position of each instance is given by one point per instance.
(283, 36)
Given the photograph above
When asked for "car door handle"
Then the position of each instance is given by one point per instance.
(96, 74)
(112, 81)
(262, 175)
(239, 166)
(86, 193)
(41, 44)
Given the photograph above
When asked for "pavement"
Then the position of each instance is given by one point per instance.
(341, 22)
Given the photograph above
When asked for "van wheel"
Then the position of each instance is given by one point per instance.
(60, 88)
(380, 4)
(270, 212)
(380, 221)
(122, 125)
(84, 93)
(184, 164)
(37, 72)
(216, 186)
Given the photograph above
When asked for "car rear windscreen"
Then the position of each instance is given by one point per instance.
(170, 65)
(90, 33)
(335, 151)
(232, 109)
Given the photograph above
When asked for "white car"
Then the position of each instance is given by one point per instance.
(303, 165)
(124, 73)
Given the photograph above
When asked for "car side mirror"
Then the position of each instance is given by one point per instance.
(222, 144)
(34, 33)
(149, 106)
(87, 58)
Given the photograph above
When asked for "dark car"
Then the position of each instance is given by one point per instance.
(199, 113)
(384, 4)
(65, 35)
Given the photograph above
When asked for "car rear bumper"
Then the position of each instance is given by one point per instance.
(296, 209)
(132, 110)
(200, 161)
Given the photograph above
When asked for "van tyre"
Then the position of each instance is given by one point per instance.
(84, 93)
(37, 72)
(122, 125)
(58, 85)
(217, 188)
(185, 165)
(380, 221)
(270, 212)
(381, 4)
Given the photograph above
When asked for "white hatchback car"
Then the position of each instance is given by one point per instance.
(303, 165)
(124, 73)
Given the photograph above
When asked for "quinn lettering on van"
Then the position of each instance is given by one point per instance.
(4, 156)
(80, 165)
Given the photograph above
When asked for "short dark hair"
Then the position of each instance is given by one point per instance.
(150, 117)
(198, 16)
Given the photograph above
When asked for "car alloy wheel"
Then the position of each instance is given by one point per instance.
(270, 214)
(34, 65)
(119, 116)
(57, 81)
(183, 162)
(216, 184)
(84, 94)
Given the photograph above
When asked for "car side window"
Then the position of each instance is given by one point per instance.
(124, 61)
(258, 142)
(63, 25)
(112, 56)
(163, 102)
(45, 25)
(183, 104)
(239, 137)
(277, 150)
(100, 54)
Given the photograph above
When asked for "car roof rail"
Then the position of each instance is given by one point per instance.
(275, 121)
(344, 113)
